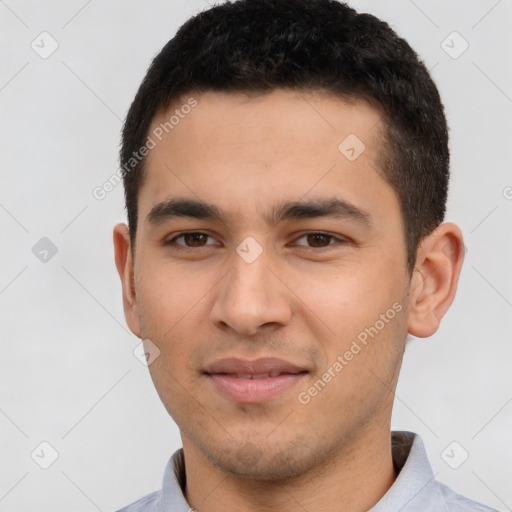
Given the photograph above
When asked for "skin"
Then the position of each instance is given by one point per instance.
(304, 299)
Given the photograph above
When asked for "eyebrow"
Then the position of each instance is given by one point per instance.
(197, 209)
(182, 207)
(328, 207)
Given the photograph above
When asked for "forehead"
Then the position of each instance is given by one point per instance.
(234, 148)
(309, 117)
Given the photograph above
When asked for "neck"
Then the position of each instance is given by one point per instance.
(354, 478)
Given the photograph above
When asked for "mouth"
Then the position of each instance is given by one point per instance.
(253, 381)
(255, 376)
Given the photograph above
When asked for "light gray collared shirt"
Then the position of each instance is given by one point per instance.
(414, 490)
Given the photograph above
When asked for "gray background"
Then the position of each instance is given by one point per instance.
(69, 376)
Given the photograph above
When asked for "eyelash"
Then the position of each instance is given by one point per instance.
(309, 233)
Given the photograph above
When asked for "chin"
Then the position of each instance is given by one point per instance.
(263, 460)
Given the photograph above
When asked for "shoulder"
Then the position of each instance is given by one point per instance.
(457, 503)
(149, 503)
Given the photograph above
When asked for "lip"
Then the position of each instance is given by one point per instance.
(253, 381)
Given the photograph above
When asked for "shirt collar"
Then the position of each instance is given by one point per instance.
(414, 489)
(173, 487)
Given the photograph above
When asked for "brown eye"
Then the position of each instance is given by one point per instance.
(318, 239)
(192, 239)
(195, 239)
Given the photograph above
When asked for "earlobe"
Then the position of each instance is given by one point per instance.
(435, 279)
(125, 268)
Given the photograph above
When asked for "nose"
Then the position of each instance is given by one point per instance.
(251, 297)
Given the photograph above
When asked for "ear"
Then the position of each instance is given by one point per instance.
(434, 282)
(124, 264)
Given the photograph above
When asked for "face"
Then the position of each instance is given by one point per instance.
(270, 273)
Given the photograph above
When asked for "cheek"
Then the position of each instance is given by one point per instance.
(357, 316)
(169, 312)
(348, 298)
(169, 319)
(360, 374)
(166, 296)
(176, 390)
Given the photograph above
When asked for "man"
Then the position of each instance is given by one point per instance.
(285, 166)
